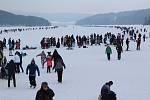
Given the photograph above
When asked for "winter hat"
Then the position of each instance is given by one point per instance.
(49, 53)
(33, 60)
(110, 82)
(44, 84)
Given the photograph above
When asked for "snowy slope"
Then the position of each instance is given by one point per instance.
(87, 69)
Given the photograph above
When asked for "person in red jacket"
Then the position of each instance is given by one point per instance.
(49, 62)
(17, 44)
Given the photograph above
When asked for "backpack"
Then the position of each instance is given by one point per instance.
(59, 65)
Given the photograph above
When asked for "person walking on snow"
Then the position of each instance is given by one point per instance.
(138, 43)
(20, 56)
(58, 65)
(43, 58)
(49, 62)
(1, 57)
(119, 51)
(11, 72)
(127, 43)
(17, 62)
(32, 68)
(108, 51)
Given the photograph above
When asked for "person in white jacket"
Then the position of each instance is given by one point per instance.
(17, 62)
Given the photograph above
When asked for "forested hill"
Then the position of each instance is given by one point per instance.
(10, 19)
(121, 18)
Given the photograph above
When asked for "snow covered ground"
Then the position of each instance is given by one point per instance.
(87, 69)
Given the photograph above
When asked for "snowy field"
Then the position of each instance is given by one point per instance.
(86, 69)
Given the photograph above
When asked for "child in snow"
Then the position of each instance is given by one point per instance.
(49, 62)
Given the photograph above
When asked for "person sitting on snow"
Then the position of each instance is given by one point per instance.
(106, 93)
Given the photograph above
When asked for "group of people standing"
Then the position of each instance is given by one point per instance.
(15, 64)
(14, 30)
(55, 61)
(58, 63)
(121, 39)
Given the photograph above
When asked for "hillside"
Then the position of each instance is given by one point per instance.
(10, 19)
(121, 18)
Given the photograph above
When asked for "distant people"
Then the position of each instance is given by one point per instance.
(32, 68)
(58, 43)
(1, 45)
(119, 51)
(1, 57)
(43, 58)
(17, 44)
(4, 43)
(127, 43)
(11, 72)
(17, 62)
(4, 70)
(106, 93)
(58, 65)
(20, 65)
(138, 44)
(144, 38)
(108, 51)
(10, 47)
(13, 44)
(45, 93)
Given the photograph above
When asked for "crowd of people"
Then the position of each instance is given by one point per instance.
(14, 66)
(14, 30)
(7, 71)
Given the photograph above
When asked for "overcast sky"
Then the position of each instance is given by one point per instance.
(73, 6)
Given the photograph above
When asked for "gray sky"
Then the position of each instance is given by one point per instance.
(73, 6)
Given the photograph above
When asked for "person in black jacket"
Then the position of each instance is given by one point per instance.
(32, 68)
(106, 93)
(58, 43)
(20, 56)
(11, 72)
(1, 57)
(45, 93)
(119, 51)
(127, 43)
(58, 65)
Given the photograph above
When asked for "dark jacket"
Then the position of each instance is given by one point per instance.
(32, 68)
(1, 54)
(108, 50)
(58, 61)
(11, 68)
(45, 95)
(58, 45)
(59, 65)
(119, 48)
(105, 89)
(127, 41)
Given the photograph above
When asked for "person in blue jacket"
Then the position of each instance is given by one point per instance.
(32, 68)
